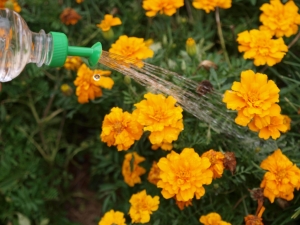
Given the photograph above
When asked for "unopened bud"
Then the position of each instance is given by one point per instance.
(108, 35)
(127, 80)
(9, 4)
(164, 40)
(66, 90)
(190, 46)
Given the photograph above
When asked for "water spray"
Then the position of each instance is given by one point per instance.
(19, 46)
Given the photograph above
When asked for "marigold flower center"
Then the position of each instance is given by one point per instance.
(281, 175)
(118, 127)
(183, 176)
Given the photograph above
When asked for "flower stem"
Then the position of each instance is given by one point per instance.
(220, 33)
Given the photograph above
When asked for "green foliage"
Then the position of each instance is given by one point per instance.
(44, 134)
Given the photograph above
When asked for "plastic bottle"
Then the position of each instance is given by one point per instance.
(19, 46)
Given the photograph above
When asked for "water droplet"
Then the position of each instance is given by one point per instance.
(96, 77)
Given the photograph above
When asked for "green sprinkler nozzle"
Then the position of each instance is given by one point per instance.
(61, 49)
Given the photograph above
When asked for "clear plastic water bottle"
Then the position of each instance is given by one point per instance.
(19, 46)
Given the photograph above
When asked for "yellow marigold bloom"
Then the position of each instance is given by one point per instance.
(108, 22)
(281, 20)
(131, 170)
(120, 129)
(88, 83)
(149, 42)
(153, 176)
(181, 205)
(73, 63)
(11, 4)
(259, 45)
(270, 125)
(112, 217)
(183, 175)
(162, 6)
(212, 219)
(161, 117)
(142, 206)
(253, 219)
(69, 16)
(210, 5)
(254, 95)
(216, 160)
(282, 177)
(133, 48)
(164, 146)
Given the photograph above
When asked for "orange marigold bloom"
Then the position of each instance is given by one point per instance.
(88, 83)
(183, 175)
(253, 219)
(153, 176)
(11, 4)
(161, 117)
(216, 160)
(133, 48)
(131, 170)
(120, 129)
(270, 125)
(142, 206)
(73, 63)
(162, 6)
(112, 217)
(69, 16)
(164, 146)
(212, 219)
(181, 205)
(79, 1)
(210, 5)
(108, 22)
(254, 95)
(281, 20)
(282, 177)
(259, 45)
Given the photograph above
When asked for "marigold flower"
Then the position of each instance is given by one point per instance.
(153, 176)
(190, 46)
(79, 1)
(259, 45)
(73, 63)
(254, 95)
(255, 219)
(183, 175)
(270, 125)
(142, 206)
(216, 160)
(287, 122)
(131, 170)
(69, 16)
(164, 146)
(281, 20)
(210, 5)
(212, 219)
(10, 4)
(120, 129)
(282, 177)
(181, 205)
(108, 22)
(229, 161)
(132, 50)
(88, 83)
(162, 6)
(112, 217)
(161, 117)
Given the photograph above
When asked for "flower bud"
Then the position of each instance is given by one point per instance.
(108, 35)
(127, 80)
(66, 90)
(190, 46)
(9, 4)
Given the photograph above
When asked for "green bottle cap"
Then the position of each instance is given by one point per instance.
(61, 50)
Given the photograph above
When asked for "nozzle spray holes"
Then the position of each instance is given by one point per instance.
(96, 77)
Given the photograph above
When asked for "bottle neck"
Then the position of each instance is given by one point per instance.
(41, 48)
